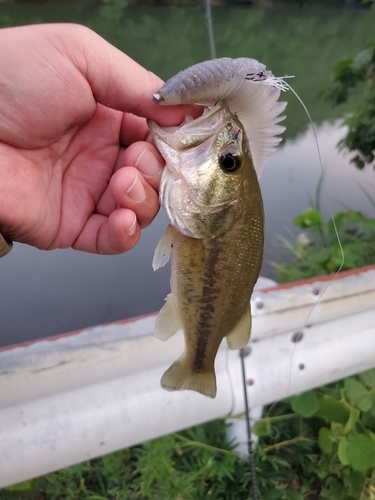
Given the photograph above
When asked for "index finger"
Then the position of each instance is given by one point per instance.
(119, 82)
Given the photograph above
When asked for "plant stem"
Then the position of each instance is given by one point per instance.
(287, 443)
(277, 418)
(188, 442)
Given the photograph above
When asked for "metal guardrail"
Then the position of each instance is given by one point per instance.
(80, 395)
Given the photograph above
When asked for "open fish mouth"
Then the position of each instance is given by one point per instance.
(191, 132)
(175, 143)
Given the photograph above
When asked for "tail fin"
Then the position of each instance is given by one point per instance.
(178, 377)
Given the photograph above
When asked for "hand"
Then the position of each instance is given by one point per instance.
(76, 169)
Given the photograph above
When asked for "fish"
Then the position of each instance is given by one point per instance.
(210, 193)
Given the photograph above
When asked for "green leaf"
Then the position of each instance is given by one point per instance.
(357, 394)
(342, 68)
(355, 482)
(352, 420)
(341, 451)
(337, 430)
(322, 255)
(353, 216)
(262, 428)
(273, 495)
(360, 452)
(371, 435)
(28, 485)
(293, 495)
(333, 489)
(372, 478)
(368, 378)
(358, 162)
(306, 404)
(332, 410)
(363, 58)
(325, 439)
(310, 218)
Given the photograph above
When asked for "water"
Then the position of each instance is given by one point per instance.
(46, 293)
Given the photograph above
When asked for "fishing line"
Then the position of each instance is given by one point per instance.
(281, 84)
(210, 27)
(231, 383)
(250, 447)
(323, 185)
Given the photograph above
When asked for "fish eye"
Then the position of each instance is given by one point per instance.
(230, 162)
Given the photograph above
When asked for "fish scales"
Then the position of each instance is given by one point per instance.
(221, 288)
(211, 195)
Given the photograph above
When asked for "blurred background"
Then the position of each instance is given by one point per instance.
(47, 293)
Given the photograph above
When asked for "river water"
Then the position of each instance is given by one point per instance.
(46, 293)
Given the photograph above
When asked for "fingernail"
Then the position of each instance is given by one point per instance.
(132, 228)
(148, 164)
(136, 191)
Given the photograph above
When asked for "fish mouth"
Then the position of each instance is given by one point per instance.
(191, 132)
(172, 141)
(163, 137)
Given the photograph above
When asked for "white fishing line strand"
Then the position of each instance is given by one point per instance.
(250, 447)
(281, 84)
(210, 27)
(323, 182)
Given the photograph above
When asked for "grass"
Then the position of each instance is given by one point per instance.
(318, 249)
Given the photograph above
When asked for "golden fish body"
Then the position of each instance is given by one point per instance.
(211, 195)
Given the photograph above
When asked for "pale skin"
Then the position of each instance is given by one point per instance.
(77, 168)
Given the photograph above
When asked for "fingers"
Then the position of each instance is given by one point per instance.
(137, 204)
(147, 160)
(130, 190)
(128, 205)
(111, 235)
(119, 82)
(133, 129)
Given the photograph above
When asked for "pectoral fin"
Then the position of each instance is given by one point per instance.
(168, 320)
(163, 249)
(240, 334)
(179, 377)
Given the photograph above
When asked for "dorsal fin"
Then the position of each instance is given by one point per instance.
(257, 107)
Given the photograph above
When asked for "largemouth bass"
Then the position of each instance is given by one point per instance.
(210, 192)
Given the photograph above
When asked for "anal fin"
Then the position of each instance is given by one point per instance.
(168, 320)
(240, 334)
(179, 377)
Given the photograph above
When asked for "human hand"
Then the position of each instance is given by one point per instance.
(76, 169)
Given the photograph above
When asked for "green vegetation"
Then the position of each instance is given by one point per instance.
(319, 445)
(349, 74)
(330, 432)
(317, 250)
